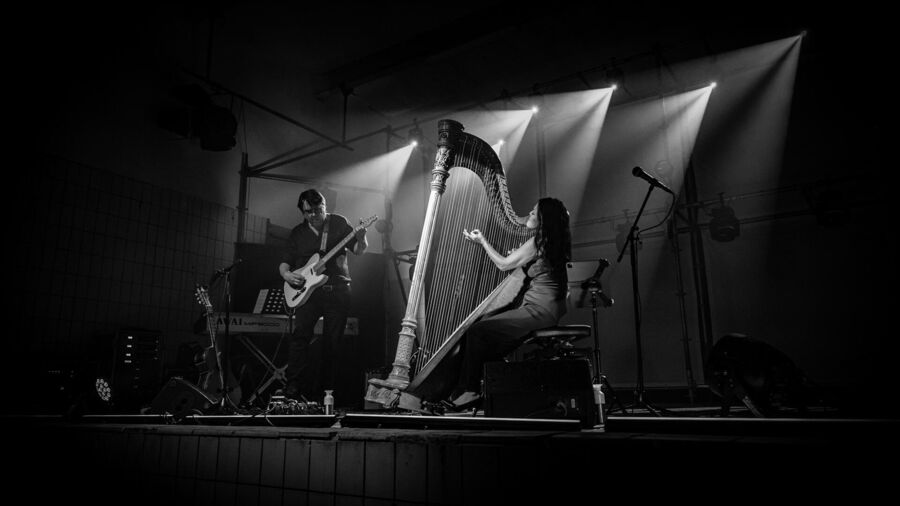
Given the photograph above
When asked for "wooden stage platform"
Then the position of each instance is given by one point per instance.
(379, 459)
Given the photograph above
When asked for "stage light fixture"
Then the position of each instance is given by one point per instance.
(414, 135)
(614, 75)
(103, 389)
(724, 225)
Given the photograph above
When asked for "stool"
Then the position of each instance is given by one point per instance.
(556, 342)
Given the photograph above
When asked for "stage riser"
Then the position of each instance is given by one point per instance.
(119, 464)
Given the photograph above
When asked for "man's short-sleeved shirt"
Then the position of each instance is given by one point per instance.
(304, 242)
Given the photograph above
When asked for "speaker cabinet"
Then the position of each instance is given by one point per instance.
(181, 398)
(539, 389)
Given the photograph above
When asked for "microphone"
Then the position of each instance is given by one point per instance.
(639, 172)
(221, 272)
(228, 269)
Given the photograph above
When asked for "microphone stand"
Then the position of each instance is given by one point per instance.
(225, 403)
(639, 393)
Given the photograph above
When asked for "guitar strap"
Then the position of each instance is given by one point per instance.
(322, 246)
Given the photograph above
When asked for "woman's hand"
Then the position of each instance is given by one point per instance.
(474, 236)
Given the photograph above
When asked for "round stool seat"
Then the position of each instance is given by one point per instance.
(556, 342)
(561, 331)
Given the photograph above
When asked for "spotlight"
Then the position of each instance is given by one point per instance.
(613, 74)
(724, 226)
(415, 134)
(534, 109)
(104, 391)
(712, 84)
(501, 142)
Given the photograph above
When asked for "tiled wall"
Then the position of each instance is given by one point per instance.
(105, 252)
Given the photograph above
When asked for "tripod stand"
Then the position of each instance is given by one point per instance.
(592, 285)
(639, 393)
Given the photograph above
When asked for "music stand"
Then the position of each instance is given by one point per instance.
(592, 285)
(633, 233)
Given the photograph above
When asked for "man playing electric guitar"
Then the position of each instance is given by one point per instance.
(310, 368)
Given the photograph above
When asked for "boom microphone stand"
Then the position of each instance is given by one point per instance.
(225, 404)
(639, 400)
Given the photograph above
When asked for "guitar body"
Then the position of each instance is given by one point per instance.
(297, 295)
(211, 382)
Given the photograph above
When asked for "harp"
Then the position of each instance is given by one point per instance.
(454, 283)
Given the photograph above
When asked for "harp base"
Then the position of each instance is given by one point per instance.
(388, 396)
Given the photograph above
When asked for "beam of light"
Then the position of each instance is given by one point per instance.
(636, 134)
(642, 134)
(572, 128)
(379, 176)
(383, 171)
(731, 132)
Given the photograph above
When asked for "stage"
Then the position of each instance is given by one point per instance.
(391, 458)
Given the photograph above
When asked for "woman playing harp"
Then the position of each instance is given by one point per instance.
(454, 286)
(541, 301)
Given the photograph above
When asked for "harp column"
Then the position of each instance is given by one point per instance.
(448, 133)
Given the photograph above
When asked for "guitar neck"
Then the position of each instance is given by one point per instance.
(335, 249)
(211, 327)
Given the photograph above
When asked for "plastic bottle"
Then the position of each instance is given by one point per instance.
(329, 402)
(599, 400)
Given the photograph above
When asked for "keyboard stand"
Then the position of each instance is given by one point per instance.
(274, 373)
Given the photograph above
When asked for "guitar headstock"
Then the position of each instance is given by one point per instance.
(201, 293)
(366, 223)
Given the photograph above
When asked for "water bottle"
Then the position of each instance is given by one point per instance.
(329, 402)
(599, 400)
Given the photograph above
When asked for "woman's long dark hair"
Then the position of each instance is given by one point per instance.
(553, 238)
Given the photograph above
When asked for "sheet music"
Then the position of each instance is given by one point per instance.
(270, 302)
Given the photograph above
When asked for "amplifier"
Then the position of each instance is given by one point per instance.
(539, 389)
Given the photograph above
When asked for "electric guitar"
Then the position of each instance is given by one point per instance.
(210, 379)
(297, 294)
